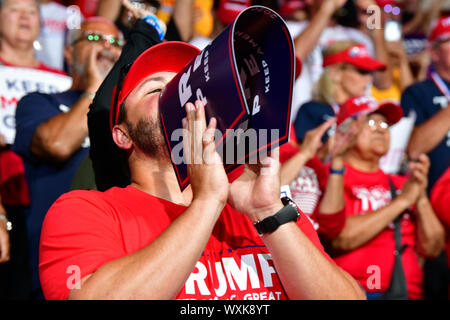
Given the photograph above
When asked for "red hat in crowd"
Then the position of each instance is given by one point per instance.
(382, 3)
(365, 105)
(166, 56)
(288, 7)
(228, 10)
(357, 55)
(440, 30)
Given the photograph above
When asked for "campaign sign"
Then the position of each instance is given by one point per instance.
(245, 79)
(16, 82)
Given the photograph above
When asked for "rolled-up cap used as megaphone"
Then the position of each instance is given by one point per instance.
(245, 79)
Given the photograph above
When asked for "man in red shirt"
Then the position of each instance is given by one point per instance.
(152, 241)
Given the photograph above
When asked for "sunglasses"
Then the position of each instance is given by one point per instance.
(98, 37)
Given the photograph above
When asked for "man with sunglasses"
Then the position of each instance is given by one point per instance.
(52, 132)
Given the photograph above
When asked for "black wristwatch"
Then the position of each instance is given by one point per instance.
(289, 213)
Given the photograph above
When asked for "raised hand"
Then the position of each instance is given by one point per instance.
(312, 141)
(92, 73)
(256, 193)
(205, 168)
(138, 13)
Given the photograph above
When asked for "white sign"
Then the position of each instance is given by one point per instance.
(400, 133)
(15, 83)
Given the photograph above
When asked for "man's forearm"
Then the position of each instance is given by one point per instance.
(383, 79)
(306, 41)
(159, 270)
(429, 134)
(60, 136)
(304, 271)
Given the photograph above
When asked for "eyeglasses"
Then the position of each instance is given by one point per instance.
(97, 37)
(374, 124)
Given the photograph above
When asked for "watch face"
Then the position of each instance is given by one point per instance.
(286, 201)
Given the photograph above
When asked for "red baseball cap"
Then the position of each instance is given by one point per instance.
(382, 3)
(440, 30)
(356, 55)
(228, 10)
(166, 56)
(366, 105)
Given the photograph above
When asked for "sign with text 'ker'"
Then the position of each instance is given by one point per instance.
(245, 79)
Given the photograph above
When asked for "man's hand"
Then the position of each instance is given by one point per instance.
(138, 13)
(205, 168)
(256, 193)
(92, 74)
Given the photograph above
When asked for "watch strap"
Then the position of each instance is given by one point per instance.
(337, 171)
(289, 213)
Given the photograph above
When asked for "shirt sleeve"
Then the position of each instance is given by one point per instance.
(411, 101)
(80, 234)
(330, 225)
(32, 110)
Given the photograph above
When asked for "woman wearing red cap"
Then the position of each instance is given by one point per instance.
(348, 70)
(373, 237)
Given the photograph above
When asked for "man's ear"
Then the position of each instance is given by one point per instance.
(121, 137)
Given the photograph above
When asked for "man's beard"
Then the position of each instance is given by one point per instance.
(148, 136)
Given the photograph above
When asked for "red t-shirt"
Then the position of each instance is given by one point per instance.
(440, 200)
(83, 230)
(366, 192)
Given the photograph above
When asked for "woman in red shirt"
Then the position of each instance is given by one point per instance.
(366, 246)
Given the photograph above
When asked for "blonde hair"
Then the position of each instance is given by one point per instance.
(324, 89)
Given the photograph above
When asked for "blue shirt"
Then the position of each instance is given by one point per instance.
(46, 181)
(311, 115)
(425, 99)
